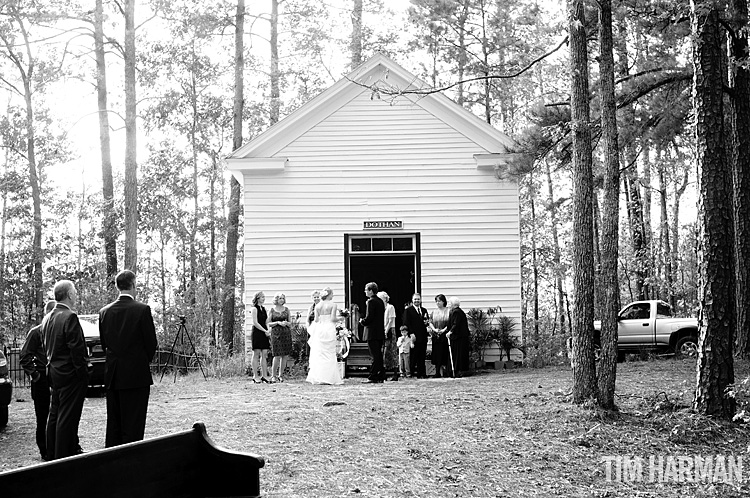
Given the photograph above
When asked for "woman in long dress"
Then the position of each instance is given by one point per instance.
(458, 337)
(438, 327)
(324, 368)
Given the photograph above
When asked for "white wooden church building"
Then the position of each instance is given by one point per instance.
(353, 188)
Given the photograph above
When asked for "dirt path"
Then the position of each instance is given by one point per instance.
(494, 434)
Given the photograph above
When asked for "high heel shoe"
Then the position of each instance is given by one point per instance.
(255, 381)
(264, 380)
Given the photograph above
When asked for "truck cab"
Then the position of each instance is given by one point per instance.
(651, 325)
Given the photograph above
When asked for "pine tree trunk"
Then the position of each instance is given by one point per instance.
(678, 191)
(131, 165)
(212, 248)
(3, 225)
(715, 243)
(275, 76)
(741, 172)
(557, 253)
(26, 69)
(163, 274)
(35, 300)
(192, 291)
(630, 174)
(233, 221)
(584, 372)
(37, 256)
(355, 46)
(534, 262)
(648, 234)
(109, 228)
(607, 372)
(666, 249)
(487, 83)
(462, 58)
(596, 218)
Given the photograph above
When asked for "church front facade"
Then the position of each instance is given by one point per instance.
(410, 192)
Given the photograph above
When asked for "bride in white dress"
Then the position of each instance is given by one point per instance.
(323, 365)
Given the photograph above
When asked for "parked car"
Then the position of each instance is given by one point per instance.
(97, 357)
(6, 390)
(650, 325)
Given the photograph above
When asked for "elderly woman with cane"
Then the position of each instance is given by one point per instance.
(458, 337)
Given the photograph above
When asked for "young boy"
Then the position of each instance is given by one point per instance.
(405, 343)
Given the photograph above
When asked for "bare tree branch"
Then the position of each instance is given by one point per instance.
(395, 91)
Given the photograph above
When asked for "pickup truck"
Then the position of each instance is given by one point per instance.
(650, 325)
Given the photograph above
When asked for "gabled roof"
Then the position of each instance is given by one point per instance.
(378, 72)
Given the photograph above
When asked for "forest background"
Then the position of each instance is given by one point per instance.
(117, 117)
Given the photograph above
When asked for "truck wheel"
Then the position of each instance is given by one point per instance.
(686, 347)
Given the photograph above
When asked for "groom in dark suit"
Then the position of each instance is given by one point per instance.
(128, 337)
(416, 319)
(374, 331)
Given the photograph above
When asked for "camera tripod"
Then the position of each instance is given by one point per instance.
(180, 335)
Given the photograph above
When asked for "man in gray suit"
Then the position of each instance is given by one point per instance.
(67, 369)
(374, 332)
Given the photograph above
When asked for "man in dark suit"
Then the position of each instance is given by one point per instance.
(67, 371)
(34, 362)
(128, 337)
(416, 319)
(374, 334)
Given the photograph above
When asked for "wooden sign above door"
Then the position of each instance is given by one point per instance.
(379, 225)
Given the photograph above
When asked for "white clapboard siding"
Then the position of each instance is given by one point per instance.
(375, 160)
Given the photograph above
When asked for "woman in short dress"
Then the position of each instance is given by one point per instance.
(261, 338)
(281, 336)
(438, 327)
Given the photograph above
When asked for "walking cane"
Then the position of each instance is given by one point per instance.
(450, 352)
(382, 355)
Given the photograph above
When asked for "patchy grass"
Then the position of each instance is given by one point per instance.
(512, 433)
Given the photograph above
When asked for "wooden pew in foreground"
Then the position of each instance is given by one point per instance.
(185, 464)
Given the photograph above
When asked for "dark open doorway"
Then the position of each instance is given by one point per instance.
(394, 274)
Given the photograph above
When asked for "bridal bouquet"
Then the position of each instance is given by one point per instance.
(342, 332)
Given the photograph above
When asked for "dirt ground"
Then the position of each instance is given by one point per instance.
(498, 433)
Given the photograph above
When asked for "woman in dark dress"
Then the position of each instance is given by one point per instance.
(279, 323)
(261, 338)
(438, 327)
